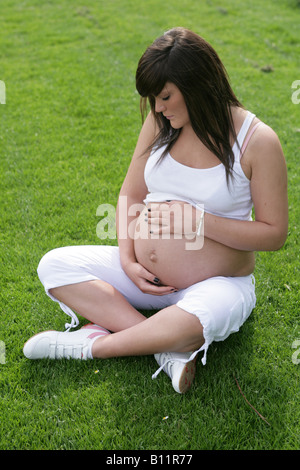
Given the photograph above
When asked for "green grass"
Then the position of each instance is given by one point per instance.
(68, 130)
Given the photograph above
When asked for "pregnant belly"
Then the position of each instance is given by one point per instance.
(181, 262)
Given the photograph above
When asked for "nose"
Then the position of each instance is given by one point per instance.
(159, 105)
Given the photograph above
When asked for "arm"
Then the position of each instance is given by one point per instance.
(268, 232)
(133, 191)
(131, 196)
(266, 165)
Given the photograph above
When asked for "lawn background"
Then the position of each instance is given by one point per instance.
(68, 130)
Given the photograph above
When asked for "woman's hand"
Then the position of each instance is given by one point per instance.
(147, 282)
(173, 217)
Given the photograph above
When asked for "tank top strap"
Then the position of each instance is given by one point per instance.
(245, 127)
(249, 136)
(242, 134)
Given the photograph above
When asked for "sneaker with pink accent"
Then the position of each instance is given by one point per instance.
(68, 345)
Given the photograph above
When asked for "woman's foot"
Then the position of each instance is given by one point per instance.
(68, 345)
(179, 367)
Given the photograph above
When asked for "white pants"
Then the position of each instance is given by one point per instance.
(222, 304)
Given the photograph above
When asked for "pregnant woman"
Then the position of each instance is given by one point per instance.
(186, 238)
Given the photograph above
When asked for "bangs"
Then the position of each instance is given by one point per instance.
(151, 77)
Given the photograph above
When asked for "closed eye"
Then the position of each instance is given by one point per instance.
(166, 98)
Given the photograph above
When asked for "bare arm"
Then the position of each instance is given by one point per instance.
(133, 192)
(131, 197)
(268, 231)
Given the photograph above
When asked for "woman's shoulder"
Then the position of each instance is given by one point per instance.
(264, 152)
(239, 116)
(264, 138)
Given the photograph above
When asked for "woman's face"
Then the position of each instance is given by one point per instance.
(171, 104)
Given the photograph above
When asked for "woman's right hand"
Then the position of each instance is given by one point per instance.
(147, 282)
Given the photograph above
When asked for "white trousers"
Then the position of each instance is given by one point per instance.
(222, 304)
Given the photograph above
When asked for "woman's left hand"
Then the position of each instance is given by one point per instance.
(172, 217)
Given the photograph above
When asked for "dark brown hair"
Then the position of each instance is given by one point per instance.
(187, 60)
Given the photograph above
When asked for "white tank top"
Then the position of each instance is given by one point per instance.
(171, 180)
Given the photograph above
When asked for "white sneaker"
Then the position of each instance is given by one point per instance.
(59, 345)
(180, 367)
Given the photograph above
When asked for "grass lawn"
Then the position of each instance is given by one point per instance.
(68, 130)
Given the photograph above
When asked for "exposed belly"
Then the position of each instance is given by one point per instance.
(182, 262)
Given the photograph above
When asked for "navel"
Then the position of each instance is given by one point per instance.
(153, 256)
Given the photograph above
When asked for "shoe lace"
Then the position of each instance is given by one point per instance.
(74, 319)
(169, 360)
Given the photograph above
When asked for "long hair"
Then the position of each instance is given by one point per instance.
(187, 60)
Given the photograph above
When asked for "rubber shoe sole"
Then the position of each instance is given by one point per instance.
(178, 367)
(183, 384)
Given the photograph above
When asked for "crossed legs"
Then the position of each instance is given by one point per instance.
(170, 329)
(171, 334)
